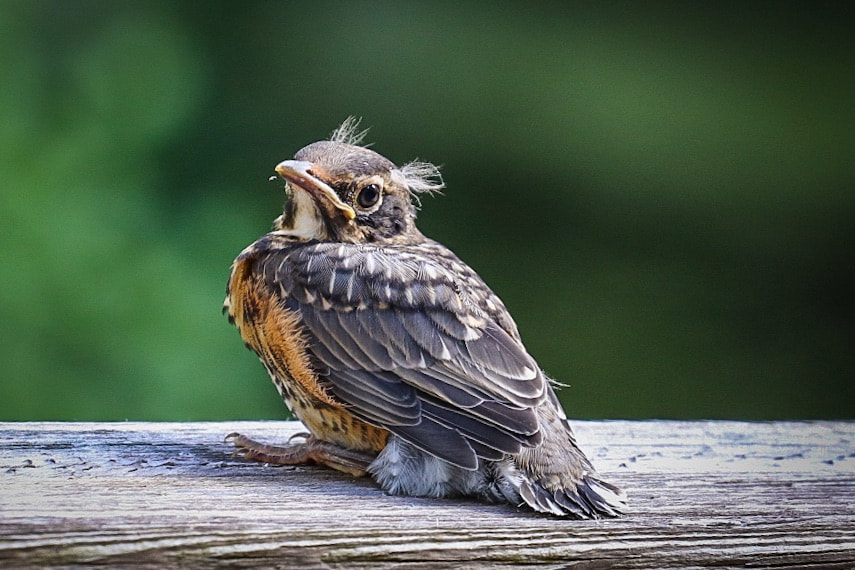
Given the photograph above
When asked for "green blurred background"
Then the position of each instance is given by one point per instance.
(661, 193)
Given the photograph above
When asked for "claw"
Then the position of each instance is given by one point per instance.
(307, 437)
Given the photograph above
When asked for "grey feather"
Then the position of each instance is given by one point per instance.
(402, 315)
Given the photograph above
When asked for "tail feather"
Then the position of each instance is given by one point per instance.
(557, 478)
(605, 498)
(592, 498)
(543, 501)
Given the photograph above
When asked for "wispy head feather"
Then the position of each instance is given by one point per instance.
(422, 177)
(348, 132)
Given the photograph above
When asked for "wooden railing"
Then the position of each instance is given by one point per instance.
(733, 494)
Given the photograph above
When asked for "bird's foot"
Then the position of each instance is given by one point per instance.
(312, 450)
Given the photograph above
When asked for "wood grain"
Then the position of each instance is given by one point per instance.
(732, 494)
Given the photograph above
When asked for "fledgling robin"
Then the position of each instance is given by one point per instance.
(395, 354)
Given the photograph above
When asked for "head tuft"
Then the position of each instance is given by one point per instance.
(422, 177)
(348, 132)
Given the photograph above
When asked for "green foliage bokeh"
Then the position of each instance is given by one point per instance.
(661, 194)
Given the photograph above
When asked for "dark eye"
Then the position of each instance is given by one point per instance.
(368, 196)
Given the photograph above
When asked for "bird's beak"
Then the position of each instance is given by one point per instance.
(298, 173)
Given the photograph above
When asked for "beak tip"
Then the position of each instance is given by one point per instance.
(298, 167)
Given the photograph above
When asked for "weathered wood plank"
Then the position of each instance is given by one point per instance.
(702, 493)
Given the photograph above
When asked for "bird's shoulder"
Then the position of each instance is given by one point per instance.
(345, 277)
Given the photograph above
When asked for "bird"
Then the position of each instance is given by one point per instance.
(400, 361)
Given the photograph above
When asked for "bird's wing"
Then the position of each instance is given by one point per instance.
(414, 341)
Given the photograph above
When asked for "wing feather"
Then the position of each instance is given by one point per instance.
(438, 440)
(409, 353)
(392, 403)
(403, 338)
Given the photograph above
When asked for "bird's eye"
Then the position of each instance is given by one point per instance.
(368, 195)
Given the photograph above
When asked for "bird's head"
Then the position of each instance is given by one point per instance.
(341, 191)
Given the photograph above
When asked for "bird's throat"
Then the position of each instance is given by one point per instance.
(302, 218)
